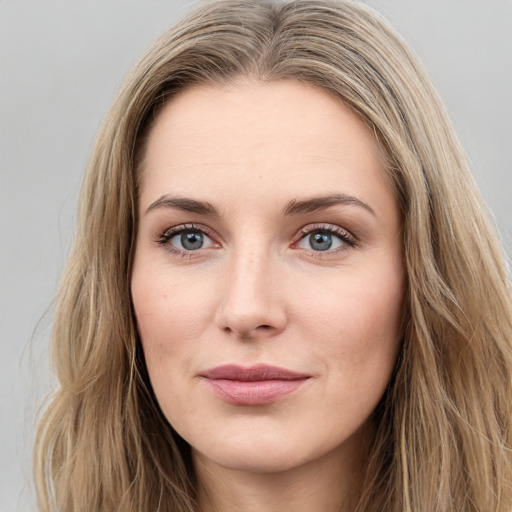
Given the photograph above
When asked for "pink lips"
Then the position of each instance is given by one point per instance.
(256, 385)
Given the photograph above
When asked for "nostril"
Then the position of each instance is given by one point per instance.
(260, 328)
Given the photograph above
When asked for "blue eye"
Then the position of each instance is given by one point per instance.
(191, 241)
(186, 239)
(320, 241)
(325, 239)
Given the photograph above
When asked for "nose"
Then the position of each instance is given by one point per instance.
(251, 304)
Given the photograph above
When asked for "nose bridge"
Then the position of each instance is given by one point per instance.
(251, 303)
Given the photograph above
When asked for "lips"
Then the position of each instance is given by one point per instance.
(255, 385)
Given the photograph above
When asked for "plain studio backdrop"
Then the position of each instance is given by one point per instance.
(61, 64)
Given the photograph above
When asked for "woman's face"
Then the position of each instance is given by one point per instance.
(268, 281)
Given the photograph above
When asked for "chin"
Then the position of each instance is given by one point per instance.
(260, 450)
(254, 459)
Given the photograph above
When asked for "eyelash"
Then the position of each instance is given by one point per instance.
(170, 233)
(349, 241)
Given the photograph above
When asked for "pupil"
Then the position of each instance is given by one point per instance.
(192, 241)
(321, 241)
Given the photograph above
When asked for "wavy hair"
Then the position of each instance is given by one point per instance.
(443, 427)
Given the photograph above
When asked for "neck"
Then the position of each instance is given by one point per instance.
(330, 484)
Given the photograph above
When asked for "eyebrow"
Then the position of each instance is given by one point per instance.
(294, 207)
(184, 203)
(314, 204)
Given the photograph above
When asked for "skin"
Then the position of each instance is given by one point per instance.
(258, 291)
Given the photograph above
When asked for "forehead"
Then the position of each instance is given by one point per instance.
(288, 136)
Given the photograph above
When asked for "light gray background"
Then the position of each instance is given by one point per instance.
(61, 63)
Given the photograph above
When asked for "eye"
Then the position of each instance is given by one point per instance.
(189, 240)
(326, 238)
(186, 239)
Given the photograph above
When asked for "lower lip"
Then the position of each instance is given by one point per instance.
(259, 392)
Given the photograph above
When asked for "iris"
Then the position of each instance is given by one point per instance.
(192, 240)
(320, 241)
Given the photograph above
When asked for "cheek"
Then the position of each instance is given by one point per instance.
(168, 325)
(356, 324)
(357, 338)
(166, 308)
(157, 312)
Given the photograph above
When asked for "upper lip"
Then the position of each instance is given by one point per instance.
(252, 373)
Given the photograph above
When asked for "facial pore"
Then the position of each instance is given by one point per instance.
(269, 237)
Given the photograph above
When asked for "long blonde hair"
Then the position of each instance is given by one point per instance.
(443, 428)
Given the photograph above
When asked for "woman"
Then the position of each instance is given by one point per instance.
(285, 292)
